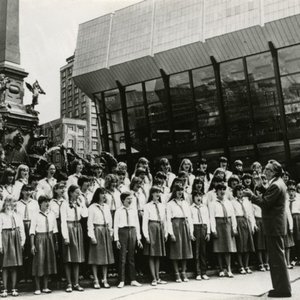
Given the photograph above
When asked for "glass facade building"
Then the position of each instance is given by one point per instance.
(235, 94)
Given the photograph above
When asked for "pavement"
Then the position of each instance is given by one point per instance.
(254, 286)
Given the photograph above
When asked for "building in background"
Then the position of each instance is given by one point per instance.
(72, 133)
(196, 78)
(76, 105)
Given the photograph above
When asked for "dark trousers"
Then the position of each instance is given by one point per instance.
(127, 238)
(199, 248)
(279, 273)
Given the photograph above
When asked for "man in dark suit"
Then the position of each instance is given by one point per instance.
(273, 205)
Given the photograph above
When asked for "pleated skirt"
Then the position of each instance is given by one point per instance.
(74, 252)
(259, 236)
(225, 241)
(157, 243)
(296, 230)
(44, 261)
(244, 238)
(182, 247)
(12, 248)
(102, 252)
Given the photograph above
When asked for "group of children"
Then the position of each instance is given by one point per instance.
(109, 221)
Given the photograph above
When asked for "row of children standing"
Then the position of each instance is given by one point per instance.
(77, 220)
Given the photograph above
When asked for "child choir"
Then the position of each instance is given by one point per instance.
(50, 227)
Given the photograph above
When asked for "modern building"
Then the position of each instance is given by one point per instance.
(76, 105)
(195, 78)
(72, 133)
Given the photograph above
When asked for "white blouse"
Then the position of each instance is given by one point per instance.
(120, 221)
(239, 212)
(256, 211)
(295, 204)
(98, 215)
(216, 211)
(45, 187)
(203, 213)
(39, 223)
(9, 221)
(113, 199)
(178, 209)
(68, 213)
(138, 200)
(27, 210)
(55, 205)
(151, 214)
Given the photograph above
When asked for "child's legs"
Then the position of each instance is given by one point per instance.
(246, 259)
(287, 255)
(240, 259)
(68, 273)
(95, 272)
(104, 273)
(76, 273)
(37, 282)
(183, 265)
(228, 261)
(175, 265)
(5, 272)
(157, 264)
(13, 274)
(202, 250)
(220, 260)
(259, 257)
(45, 281)
(123, 239)
(131, 252)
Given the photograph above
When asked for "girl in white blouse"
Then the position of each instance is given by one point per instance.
(8, 181)
(71, 212)
(11, 242)
(112, 194)
(165, 167)
(100, 233)
(45, 185)
(43, 232)
(155, 233)
(180, 229)
(22, 176)
(223, 228)
(187, 166)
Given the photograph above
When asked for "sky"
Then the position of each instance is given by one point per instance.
(48, 32)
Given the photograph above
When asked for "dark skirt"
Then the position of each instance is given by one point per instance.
(244, 239)
(157, 243)
(27, 246)
(44, 261)
(182, 248)
(225, 241)
(102, 252)
(288, 240)
(259, 236)
(296, 230)
(12, 248)
(74, 252)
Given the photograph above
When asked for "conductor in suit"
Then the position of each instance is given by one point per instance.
(273, 204)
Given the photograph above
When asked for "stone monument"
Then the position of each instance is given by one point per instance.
(18, 122)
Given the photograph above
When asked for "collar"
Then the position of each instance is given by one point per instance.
(272, 180)
(24, 202)
(45, 214)
(127, 208)
(197, 206)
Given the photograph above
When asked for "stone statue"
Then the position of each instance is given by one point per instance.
(4, 81)
(36, 90)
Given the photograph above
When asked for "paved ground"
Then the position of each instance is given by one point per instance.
(242, 287)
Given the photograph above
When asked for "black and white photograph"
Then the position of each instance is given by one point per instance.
(150, 149)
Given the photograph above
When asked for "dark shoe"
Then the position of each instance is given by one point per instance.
(275, 294)
(78, 288)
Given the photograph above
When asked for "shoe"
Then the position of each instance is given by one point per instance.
(243, 271)
(178, 279)
(205, 277)
(4, 294)
(135, 283)
(69, 288)
(248, 270)
(37, 292)
(121, 285)
(105, 284)
(230, 275)
(46, 291)
(261, 268)
(290, 266)
(267, 267)
(96, 285)
(221, 274)
(154, 283)
(184, 277)
(14, 293)
(198, 277)
(159, 281)
(78, 288)
(293, 263)
(80, 277)
(275, 294)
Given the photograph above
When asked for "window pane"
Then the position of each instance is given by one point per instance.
(291, 94)
(136, 117)
(134, 95)
(114, 121)
(155, 90)
(117, 143)
(295, 148)
(112, 100)
(269, 151)
(260, 66)
(266, 111)
(244, 153)
(289, 60)
(139, 141)
(183, 111)
(207, 108)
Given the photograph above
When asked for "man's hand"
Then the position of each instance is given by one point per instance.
(247, 193)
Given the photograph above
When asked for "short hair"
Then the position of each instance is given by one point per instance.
(277, 168)
(237, 188)
(140, 171)
(233, 178)
(161, 175)
(246, 176)
(223, 159)
(98, 192)
(238, 162)
(109, 179)
(195, 194)
(82, 179)
(135, 180)
(72, 188)
(124, 196)
(220, 186)
(121, 172)
(43, 199)
(291, 182)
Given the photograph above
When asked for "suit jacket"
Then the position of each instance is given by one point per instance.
(273, 205)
